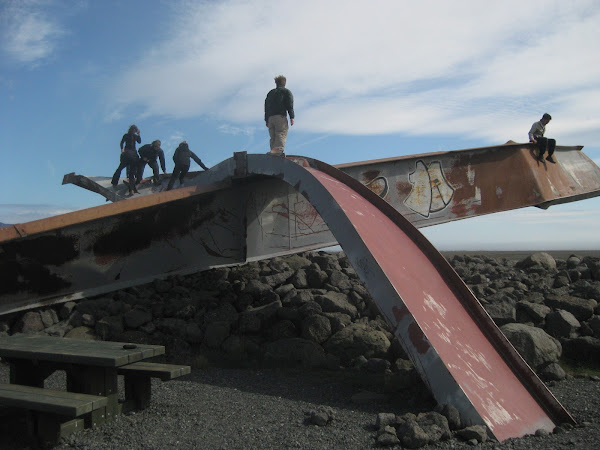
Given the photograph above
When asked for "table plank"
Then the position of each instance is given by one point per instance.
(76, 351)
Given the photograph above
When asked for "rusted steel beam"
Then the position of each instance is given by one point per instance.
(455, 346)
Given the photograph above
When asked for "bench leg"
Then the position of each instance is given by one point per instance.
(138, 391)
(96, 381)
(49, 428)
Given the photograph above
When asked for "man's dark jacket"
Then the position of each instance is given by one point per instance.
(150, 153)
(182, 156)
(279, 101)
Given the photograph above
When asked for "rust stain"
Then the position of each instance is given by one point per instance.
(370, 175)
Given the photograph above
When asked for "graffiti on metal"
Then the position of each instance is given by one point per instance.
(430, 192)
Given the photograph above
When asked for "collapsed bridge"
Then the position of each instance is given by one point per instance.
(256, 206)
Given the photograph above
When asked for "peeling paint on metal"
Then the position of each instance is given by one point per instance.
(470, 175)
(429, 302)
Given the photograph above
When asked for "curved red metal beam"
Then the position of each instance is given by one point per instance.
(459, 351)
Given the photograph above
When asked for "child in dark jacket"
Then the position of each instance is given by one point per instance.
(181, 158)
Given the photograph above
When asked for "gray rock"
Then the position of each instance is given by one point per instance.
(542, 259)
(594, 324)
(66, 309)
(299, 279)
(341, 281)
(263, 315)
(385, 419)
(581, 308)
(316, 328)
(257, 289)
(411, 435)
(377, 365)
(48, 317)
(81, 333)
(136, 318)
(532, 312)
(562, 324)
(534, 344)
(358, 339)
(277, 279)
(109, 327)
(284, 289)
(338, 320)
(476, 432)
(309, 309)
(502, 313)
(76, 319)
(88, 321)
(435, 425)
(283, 329)
(296, 262)
(29, 323)
(320, 416)
(451, 414)
(387, 437)
(315, 277)
(302, 296)
(336, 302)
(552, 372)
(59, 329)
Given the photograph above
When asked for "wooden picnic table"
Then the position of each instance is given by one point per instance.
(91, 366)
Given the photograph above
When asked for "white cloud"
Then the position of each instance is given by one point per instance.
(14, 213)
(477, 69)
(29, 35)
(230, 129)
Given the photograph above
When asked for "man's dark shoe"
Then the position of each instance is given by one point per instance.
(541, 157)
(551, 159)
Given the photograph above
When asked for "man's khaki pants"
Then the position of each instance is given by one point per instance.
(278, 129)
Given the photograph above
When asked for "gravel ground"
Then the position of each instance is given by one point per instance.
(252, 409)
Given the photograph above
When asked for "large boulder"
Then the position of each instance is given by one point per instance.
(316, 328)
(542, 259)
(336, 302)
(502, 313)
(358, 339)
(29, 323)
(562, 324)
(532, 312)
(536, 346)
(581, 308)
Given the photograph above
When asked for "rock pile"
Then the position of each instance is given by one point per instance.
(312, 310)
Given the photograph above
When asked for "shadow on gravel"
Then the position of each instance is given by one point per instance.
(347, 389)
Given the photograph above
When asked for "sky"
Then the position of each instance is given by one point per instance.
(371, 79)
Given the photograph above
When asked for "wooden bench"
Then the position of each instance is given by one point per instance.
(138, 381)
(52, 414)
